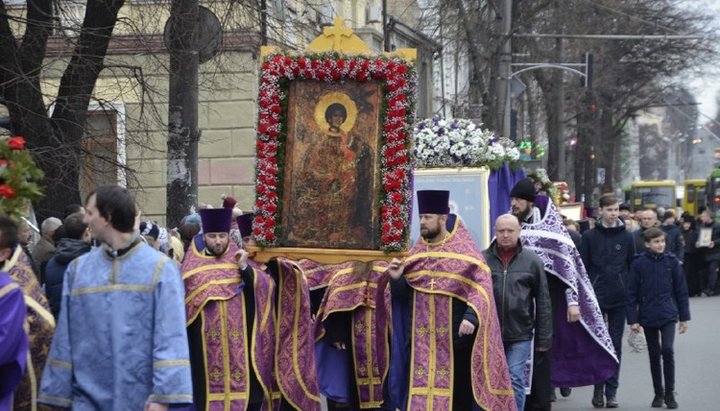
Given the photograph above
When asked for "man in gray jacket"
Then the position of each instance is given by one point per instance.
(522, 299)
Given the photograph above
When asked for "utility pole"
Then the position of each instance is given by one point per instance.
(385, 27)
(183, 132)
(556, 133)
(505, 71)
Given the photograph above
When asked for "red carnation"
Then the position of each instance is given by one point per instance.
(269, 222)
(385, 238)
(257, 231)
(6, 191)
(16, 143)
(301, 62)
(402, 69)
(271, 208)
(386, 227)
(340, 64)
(398, 224)
(396, 197)
(395, 211)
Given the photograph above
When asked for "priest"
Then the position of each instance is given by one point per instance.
(446, 348)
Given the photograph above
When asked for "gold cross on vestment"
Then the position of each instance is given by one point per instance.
(432, 284)
(368, 296)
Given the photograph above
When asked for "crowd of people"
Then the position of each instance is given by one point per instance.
(111, 312)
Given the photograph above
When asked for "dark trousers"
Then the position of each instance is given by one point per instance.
(693, 266)
(541, 391)
(462, 379)
(660, 344)
(616, 327)
(712, 275)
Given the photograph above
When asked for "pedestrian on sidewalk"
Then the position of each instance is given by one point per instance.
(657, 299)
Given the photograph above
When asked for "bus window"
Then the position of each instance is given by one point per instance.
(655, 197)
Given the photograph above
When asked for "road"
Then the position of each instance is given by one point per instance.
(697, 363)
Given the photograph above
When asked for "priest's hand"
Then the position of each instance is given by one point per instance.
(466, 328)
(573, 313)
(241, 257)
(396, 268)
(339, 345)
(155, 406)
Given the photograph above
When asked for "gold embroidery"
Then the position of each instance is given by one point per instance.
(359, 327)
(443, 372)
(420, 371)
(216, 374)
(441, 330)
(421, 331)
(235, 334)
(213, 334)
(237, 375)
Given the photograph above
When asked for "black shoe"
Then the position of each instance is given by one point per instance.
(670, 401)
(657, 401)
(565, 392)
(597, 399)
(708, 292)
(553, 397)
(611, 402)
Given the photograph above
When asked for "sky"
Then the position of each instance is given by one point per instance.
(706, 84)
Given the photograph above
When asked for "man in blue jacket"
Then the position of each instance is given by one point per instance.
(607, 252)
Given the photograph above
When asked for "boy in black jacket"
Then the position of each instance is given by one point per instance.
(657, 298)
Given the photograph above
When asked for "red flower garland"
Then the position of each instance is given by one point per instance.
(399, 80)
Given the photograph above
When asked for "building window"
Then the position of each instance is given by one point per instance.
(103, 148)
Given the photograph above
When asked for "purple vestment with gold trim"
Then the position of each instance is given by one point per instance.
(352, 287)
(213, 295)
(438, 273)
(42, 326)
(295, 368)
(582, 353)
(13, 339)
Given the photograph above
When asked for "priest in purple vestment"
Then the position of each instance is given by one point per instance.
(13, 338)
(446, 349)
(582, 352)
(231, 318)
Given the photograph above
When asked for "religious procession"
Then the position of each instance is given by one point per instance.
(328, 249)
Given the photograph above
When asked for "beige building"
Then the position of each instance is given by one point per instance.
(128, 118)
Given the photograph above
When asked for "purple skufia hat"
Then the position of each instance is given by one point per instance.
(433, 201)
(244, 222)
(216, 220)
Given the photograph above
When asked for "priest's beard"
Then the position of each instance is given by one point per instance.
(430, 233)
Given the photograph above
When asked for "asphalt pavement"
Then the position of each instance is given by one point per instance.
(697, 367)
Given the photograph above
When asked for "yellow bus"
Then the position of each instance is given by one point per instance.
(694, 196)
(653, 194)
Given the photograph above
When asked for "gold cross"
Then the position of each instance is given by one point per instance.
(368, 296)
(337, 32)
(432, 284)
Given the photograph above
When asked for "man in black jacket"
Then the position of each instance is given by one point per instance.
(522, 299)
(710, 250)
(607, 252)
(75, 243)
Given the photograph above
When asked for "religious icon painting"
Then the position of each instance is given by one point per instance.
(333, 151)
(331, 165)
